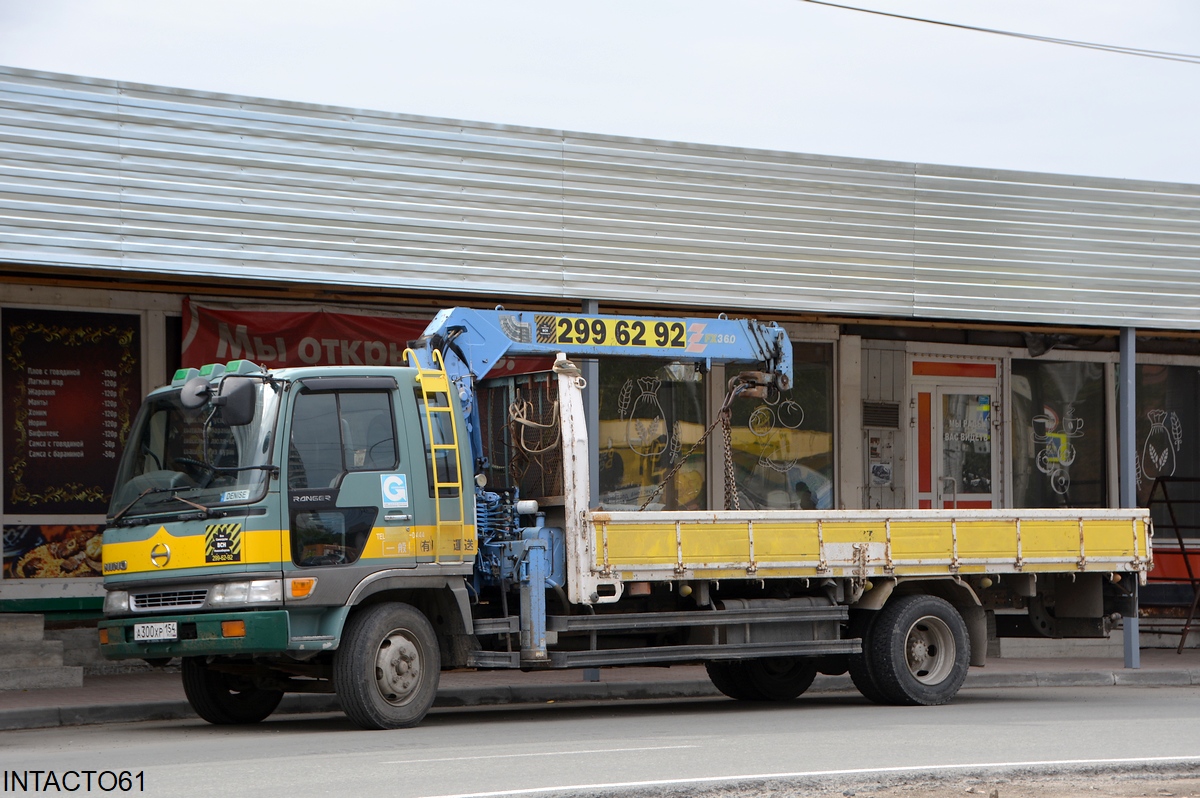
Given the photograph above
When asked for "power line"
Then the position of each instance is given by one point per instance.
(1161, 55)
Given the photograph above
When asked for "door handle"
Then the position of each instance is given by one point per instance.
(397, 517)
(954, 486)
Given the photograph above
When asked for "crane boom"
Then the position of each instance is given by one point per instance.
(471, 342)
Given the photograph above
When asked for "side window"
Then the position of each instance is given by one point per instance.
(337, 432)
(443, 433)
(331, 537)
(315, 448)
(368, 421)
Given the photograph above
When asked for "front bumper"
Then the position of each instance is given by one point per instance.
(267, 632)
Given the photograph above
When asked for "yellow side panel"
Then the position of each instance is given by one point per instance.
(1049, 539)
(1113, 539)
(987, 540)
(785, 543)
(637, 544)
(712, 543)
(921, 540)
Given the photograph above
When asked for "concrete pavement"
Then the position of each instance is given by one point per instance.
(158, 695)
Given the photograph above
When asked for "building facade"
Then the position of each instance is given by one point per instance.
(956, 329)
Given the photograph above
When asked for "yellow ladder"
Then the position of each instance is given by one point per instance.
(433, 381)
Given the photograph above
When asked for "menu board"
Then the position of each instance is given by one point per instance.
(72, 383)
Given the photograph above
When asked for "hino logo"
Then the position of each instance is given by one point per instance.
(115, 566)
(160, 555)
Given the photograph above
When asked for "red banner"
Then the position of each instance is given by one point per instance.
(294, 338)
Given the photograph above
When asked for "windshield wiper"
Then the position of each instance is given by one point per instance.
(190, 503)
(148, 491)
(117, 515)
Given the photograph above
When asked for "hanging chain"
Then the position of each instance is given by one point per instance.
(732, 500)
(725, 419)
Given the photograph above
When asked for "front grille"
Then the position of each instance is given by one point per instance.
(176, 599)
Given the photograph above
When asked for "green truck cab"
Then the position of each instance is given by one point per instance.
(254, 509)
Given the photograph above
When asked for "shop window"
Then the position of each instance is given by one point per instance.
(1058, 434)
(783, 445)
(651, 415)
(1167, 444)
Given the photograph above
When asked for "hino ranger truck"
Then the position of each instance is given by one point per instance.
(344, 530)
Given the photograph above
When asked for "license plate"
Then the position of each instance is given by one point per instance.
(143, 632)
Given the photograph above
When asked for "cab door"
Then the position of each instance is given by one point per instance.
(347, 500)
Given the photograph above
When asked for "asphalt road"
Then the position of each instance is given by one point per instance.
(827, 744)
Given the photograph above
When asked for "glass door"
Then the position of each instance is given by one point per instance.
(966, 464)
(955, 443)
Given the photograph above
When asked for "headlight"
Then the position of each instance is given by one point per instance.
(116, 602)
(260, 591)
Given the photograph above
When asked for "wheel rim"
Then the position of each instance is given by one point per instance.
(929, 650)
(397, 667)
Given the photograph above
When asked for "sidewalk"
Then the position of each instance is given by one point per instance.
(158, 695)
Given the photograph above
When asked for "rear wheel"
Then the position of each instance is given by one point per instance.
(861, 672)
(771, 679)
(729, 676)
(223, 698)
(781, 678)
(919, 650)
(387, 667)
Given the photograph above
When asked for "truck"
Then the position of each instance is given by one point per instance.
(342, 529)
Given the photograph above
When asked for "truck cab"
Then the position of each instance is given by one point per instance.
(252, 509)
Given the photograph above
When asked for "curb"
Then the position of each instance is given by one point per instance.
(51, 717)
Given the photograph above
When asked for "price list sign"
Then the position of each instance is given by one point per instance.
(72, 383)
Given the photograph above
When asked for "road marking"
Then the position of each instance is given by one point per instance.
(815, 773)
(542, 753)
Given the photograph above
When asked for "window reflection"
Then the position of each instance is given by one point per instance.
(1059, 454)
(783, 445)
(651, 415)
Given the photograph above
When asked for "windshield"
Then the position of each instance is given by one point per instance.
(180, 460)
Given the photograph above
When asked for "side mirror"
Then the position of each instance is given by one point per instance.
(195, 393)
(236, 399)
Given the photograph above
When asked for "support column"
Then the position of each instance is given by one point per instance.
(1126, 472)
(591, 411)
(851, 465)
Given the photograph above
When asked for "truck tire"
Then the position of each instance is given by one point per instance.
(780, 678)
(771, 679)
(386, 669)
(861, 673)
(224, 699)
(729, 676)
(919, 651)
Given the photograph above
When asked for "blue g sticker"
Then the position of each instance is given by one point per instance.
(395, 490)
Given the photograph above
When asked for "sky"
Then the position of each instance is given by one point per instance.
(771, 74)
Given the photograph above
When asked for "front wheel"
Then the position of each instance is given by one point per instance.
(223, 698)
(919, 651)
(387, 667)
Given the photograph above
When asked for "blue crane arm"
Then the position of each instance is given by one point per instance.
(471, 342)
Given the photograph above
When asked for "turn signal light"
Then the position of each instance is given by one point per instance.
(233, 628)
(104, 637)
(301, 588)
